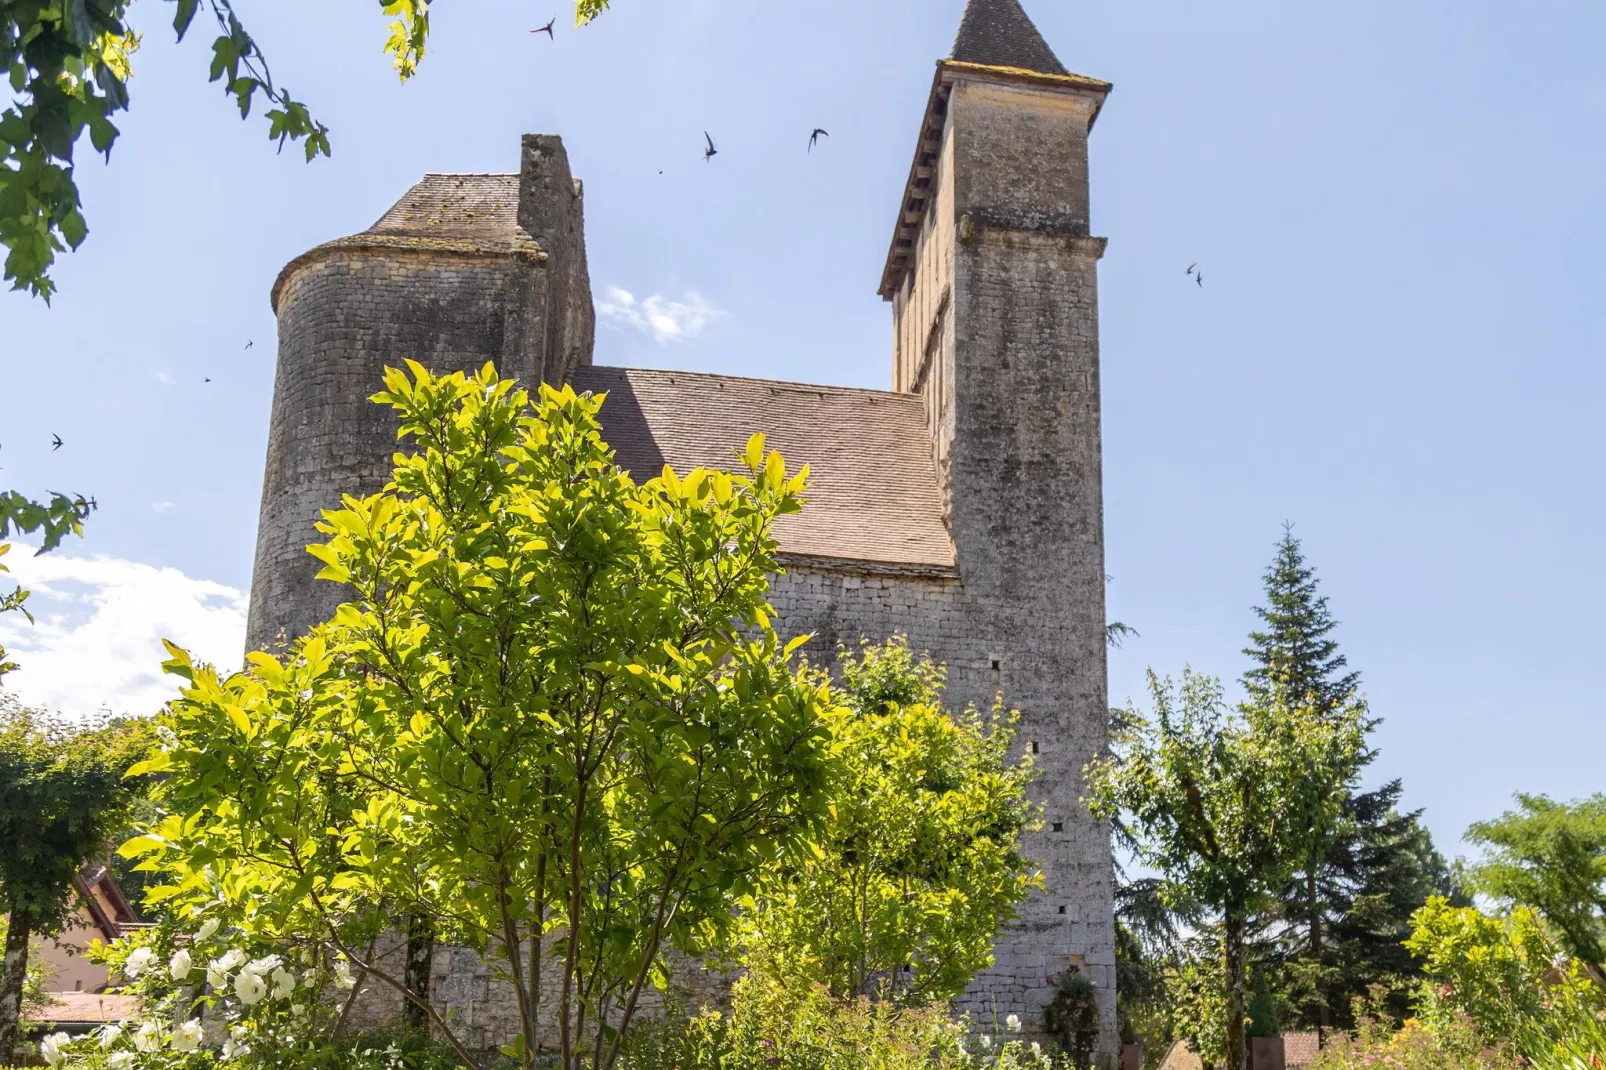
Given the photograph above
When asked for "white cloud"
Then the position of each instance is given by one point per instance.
(161, 507)
(665, 320)
(164, 378)
(97, 643)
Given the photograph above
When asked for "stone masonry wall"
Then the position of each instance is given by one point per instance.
(349, 309)
(342, 319)
(1020, 411)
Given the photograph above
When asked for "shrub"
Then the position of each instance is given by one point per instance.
(918, 863)
(801, 1026)
(1073, 1017)
(1509, 979)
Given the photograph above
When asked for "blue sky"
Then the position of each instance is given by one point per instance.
(1398, 346)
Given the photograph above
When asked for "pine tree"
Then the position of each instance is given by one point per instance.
(1297, 648)
(1336, 926)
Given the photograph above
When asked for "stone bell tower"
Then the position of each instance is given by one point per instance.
(993, 280)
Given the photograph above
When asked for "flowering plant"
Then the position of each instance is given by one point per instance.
(208, 992)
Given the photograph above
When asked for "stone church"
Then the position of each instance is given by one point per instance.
(961, 507)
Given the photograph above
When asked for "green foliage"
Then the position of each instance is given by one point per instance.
(1381, 1041)
(1336, 925)
(53, 520)
(63, 792)
(554, 707)
(278, 1007)
(918, 863)
(799, 1026)
(1196, 986)
(1226, 805)
(1264, 1019)
(1072, 1018)
(1551, 857)
(1511, 979)
(69, 65)
(1296, 653)
(36, 979)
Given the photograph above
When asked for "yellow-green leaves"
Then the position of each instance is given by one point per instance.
(535, 651)
(409, 30)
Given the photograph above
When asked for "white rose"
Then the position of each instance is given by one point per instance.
(166, 735)
(1012, 1023)
(120, 1060)
(109, 1035)
(1037, 1050)
(986, 1041)
(208, 927)
(217, 971)
(187, 1037)
(265, 965)
(147, 1039)
(284, 983)
(50, 1048)
(138, 962)
(298, 1011)
(250, 987)
(179, 966)
(343, 975)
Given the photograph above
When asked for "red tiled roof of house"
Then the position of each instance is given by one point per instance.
(91, 1008)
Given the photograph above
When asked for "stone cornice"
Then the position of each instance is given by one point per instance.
(528, 250)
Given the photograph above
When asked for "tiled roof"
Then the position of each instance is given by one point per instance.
(80, 1007)
(1299, 1051)
(479, 208)
(874, 496)
(998, 33)
(468, 215)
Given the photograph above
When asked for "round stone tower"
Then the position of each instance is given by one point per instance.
(464, 269)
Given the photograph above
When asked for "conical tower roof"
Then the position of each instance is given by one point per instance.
(998, 33)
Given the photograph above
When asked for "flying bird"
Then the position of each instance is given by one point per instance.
(547, 29)
(248, 345)
(1191, 267)
(1199, 278)
(818, 133)
(712, 152)
(207, 379)
(55, 443)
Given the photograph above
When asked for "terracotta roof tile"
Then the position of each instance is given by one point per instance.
(874, 495)
(1300, 1049)
(80, 1007)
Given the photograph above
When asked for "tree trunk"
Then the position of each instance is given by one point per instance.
(1232, 945)
(420, 956)
(11, 980)
(1324, 1013)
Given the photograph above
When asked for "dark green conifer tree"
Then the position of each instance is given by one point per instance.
(1336, 927)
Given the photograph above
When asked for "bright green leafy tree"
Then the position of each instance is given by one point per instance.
(70, 63)
(1550, 857)
(63, 794)
(918, 864)
(554, 708)
(1224, 804)
(1337, 924)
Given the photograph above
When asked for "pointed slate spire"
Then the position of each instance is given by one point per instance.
(998, 33)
